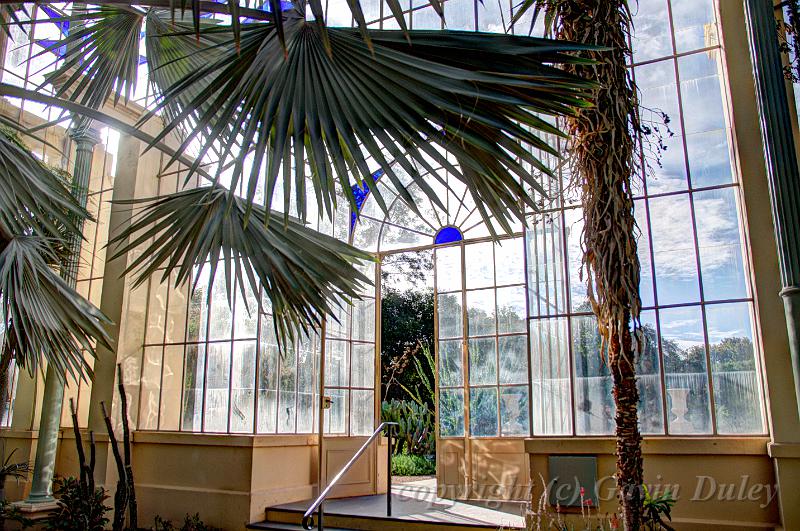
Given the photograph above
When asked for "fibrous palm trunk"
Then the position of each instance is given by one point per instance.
(604, 158)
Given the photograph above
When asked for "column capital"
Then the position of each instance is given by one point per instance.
(83, 131)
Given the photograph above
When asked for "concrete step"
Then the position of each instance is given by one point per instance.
(290, 517)
(276, 526)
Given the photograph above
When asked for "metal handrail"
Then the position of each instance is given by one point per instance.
(308, 517)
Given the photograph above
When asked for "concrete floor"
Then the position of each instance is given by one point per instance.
(417, 500)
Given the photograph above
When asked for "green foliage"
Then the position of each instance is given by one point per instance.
(406, 329)
(76, 511)
(8, 469)
(11, 513)
(412, 465)
(655, 509)
(406, 324)
(415, 432)
(190, 523)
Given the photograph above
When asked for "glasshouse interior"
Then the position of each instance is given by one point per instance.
(402, 264)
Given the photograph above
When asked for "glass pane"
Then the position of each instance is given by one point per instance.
(338, 324)
(198, 310)
(643, 252)
(695, 24)
(336, 416)
(719, 238)
(550, 379)
(673, 250)
(287, 391)
(151, 383)
(479, 265)
(648, 378)
(513, 359)
(243, 386)
(705, 119)
(362, 365)
(448, 269)
(193, 371)
(393, 237)
(246, 322)
(336, 366)
(366, 233)
(737, 393)
(450, 315)
(307, 382)
(666, 171)
(156, 310)
(481, 312)
(546, 283)
(482, 361)
(594, 405)
(221, 319)
(579, 301)
(450, 362)
(514, 411)
(451, 413)
(364, 320)
(362, 412)
(509, 262)
(176, 316)
(171, 388)
(511, 310)
(425, 18)
(483, 412)
(460, 14)
(267, 386)
(217, 387)
(651, 37)
(686, 379)
(490, 17)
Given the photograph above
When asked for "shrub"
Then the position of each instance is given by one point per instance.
(412, 465)
(76, 510)
(190, 523)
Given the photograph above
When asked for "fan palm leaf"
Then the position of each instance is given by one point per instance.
(301, 270)
(44, 317)
(33, 199)
(333, 100)
(410, 104)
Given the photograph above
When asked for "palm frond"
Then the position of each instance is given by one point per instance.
(32, 198)
(45, 318)
(301, 270)
(102, 54)
(174, 51)
(477, 97)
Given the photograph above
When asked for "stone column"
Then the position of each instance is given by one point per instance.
(782, 168)
(85, 139)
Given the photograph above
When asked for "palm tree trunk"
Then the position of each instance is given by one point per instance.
(604, 158)
(629, 440)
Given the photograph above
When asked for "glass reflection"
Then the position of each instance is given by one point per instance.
(737, 394)
(686, 380)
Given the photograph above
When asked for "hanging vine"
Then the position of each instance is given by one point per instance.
(787, 26)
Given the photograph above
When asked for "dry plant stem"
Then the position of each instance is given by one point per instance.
(121, 494)
(5, 365)
(126, 443)
(603, 154)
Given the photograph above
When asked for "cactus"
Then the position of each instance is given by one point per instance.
(415, 429)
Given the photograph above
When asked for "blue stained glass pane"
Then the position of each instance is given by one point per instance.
(360, 192)
(63, 25)
(448, 235)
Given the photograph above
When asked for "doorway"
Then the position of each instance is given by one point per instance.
(408, 363)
